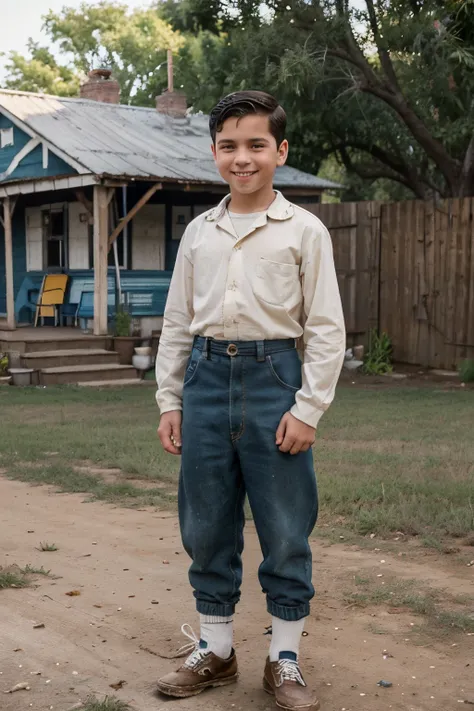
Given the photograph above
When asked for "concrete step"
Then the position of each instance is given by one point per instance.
(80, 356)
(111, 383)
(68, 344)
(72, 374)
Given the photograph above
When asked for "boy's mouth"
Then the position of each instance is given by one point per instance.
(244, 174)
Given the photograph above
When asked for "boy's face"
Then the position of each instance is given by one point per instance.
(247, 154)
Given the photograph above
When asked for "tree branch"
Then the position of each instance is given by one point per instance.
(467, 173)
(382, 48)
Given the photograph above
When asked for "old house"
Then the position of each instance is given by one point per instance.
(101, 192)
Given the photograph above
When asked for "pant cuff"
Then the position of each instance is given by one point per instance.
(291, 614)
(215, 609)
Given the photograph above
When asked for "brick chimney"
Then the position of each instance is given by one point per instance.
(100, 86)
(172, 103)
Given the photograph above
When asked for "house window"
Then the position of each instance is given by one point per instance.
(54, 238)
(6, 137)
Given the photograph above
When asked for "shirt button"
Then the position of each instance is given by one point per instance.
(228, 322)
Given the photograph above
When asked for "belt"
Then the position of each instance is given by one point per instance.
(258, 349)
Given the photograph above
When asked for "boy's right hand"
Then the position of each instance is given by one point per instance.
(169, 431)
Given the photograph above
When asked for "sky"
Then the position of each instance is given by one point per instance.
(20, 19)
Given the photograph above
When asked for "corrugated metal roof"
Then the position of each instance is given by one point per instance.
(129, 141)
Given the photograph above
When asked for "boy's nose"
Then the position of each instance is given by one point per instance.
(242, 159)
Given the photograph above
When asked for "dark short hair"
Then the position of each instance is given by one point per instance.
(243, 103)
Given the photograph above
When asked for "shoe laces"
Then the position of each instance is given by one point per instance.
(195, 652)
(290, 671)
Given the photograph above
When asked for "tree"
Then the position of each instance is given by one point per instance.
(132, 44)
(388, 88)
(41, 73)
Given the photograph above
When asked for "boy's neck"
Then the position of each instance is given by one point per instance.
(255, 202)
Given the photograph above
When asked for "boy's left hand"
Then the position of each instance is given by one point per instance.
(294, 436)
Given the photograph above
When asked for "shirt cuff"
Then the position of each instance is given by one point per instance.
(307, 413)
(168, 405)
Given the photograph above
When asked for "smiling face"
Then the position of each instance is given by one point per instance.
(246, 155)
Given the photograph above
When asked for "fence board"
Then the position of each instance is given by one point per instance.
(407, 268)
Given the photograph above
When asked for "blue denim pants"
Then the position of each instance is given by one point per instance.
(234, 398)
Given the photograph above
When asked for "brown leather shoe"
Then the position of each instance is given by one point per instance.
(200, 670)
(284, 681)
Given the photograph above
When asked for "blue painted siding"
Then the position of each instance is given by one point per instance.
(32, 165)
(19, 256)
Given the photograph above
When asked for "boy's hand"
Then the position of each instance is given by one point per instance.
(294, 436)
(169, 431)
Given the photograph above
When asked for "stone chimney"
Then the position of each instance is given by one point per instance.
(100, 86)
(172, 103)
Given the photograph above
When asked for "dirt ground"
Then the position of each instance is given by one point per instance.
(132, 576)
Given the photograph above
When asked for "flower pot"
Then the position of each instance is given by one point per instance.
(5, 380)
(21, 376)
(142, 363)
(124, 346)
(143, 351)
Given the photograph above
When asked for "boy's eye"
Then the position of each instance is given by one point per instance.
(227, 148)
(258, 145)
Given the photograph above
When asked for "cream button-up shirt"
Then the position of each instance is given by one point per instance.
(276, 281)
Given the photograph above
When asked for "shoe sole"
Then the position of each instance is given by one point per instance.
(269, 689)
(179, 692)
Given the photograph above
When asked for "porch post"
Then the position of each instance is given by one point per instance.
(101, 232)
(7, 226)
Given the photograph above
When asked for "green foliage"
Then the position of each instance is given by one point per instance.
(3, 364)
(377, 360)
(122, 322)
(466, 371)
(40, 73)
(391, 101)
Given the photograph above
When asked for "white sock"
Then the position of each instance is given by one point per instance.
(286, 637)
(218, 634)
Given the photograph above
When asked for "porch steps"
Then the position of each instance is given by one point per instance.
(73, 374)
(39, 360)
(70, 343)
(112, 383)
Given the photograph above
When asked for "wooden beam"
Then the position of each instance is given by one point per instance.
(45, 156)
(125, 220)
(110, 195)
(27, 148)
(84, 200)
(101, 229)
(7, 224)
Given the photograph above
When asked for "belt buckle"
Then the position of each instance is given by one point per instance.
(232, 350)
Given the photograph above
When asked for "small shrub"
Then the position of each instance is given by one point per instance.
(378, 359)
(123, 322)
(466, 371)
(3, 365)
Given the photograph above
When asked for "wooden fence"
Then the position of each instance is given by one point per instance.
(407, 268)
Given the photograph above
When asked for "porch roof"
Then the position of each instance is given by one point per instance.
(119, 141)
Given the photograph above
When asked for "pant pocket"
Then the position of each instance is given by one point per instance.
(285, 368)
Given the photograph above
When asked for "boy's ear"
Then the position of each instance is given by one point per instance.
(213, 149)
(282, 153)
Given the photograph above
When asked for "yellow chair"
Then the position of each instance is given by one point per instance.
(53, 290)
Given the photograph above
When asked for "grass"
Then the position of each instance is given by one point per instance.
(48, 547)
(10, 579)
(16, 577)
(389, 459)
(110, 703)
(431, 604)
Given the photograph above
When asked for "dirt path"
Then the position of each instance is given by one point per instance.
(115, 558)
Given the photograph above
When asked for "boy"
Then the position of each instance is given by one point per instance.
(252, 276)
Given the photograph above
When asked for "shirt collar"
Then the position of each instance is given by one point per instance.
(280, 209)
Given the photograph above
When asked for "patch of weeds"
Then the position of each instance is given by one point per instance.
(378, 359)
(31, 570)
(10, 579)
(432, 542)
(110, 703)
(48, 547)
(466, 371)
(426, 603)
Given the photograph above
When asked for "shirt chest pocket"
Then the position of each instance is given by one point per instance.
(277, 283)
